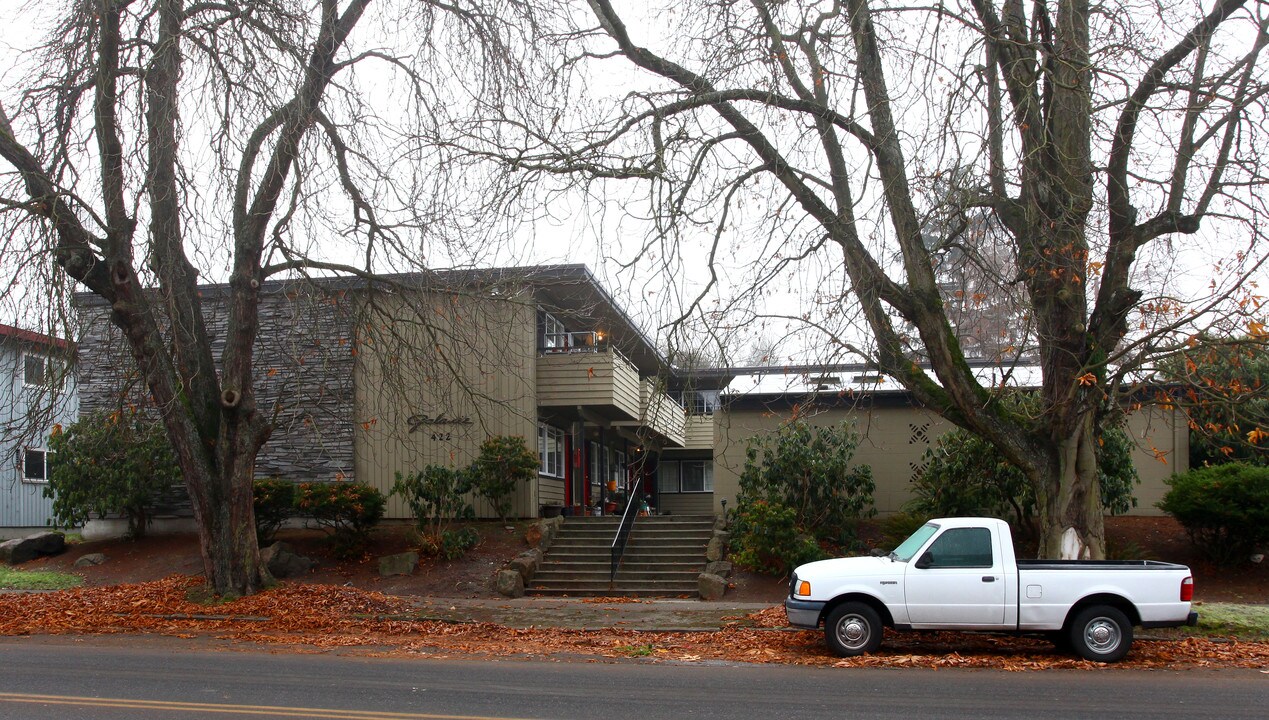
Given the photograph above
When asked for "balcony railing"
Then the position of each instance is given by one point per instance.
(573, 342)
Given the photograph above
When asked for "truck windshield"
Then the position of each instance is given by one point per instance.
(908, 548)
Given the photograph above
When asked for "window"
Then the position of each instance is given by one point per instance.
(962, 548)
(35, 370)
(593, 464)
(698, 476)
(688, 476)
(668, 477)
(35, 465)
(550, 450)
(617, 470)
(553, 333)
(701, 402)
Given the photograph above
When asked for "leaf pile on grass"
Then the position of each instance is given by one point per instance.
(325, 616)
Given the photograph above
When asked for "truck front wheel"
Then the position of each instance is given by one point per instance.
(852, 629)
(1100, 633)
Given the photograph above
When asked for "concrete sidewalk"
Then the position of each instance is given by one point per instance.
(648, 614)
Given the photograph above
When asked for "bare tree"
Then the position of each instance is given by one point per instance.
(158, 144)
(818, 138)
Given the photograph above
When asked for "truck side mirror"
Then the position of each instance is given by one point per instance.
(925, 561)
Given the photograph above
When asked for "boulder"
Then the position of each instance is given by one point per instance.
(717, 549)
(399, 564)
(542, 533)
(30, 547)
(710, 586)
(283, 562)
(510, 583)
(721, 568)
(533, 536)
(90, 559)
(526, 563)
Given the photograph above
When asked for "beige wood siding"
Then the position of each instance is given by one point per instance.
(604, 379)
(687, 503)
(550, 490)
(894, 440)
(663, 414)
(433, 381)
(660, 413)
(1161, 449)
(698, 432)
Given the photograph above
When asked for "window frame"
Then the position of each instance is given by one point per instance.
(26, 457)
(958, 532)
(46, 374)
(662, 485)
(551, 450)
(707, 477)
(595, 465)
(555, 331)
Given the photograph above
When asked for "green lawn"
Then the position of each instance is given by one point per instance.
(1247, 622)
(13, 579)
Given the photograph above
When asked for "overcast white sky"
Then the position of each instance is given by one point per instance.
(598, 234)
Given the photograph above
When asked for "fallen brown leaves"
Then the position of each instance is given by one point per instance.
(319, 617)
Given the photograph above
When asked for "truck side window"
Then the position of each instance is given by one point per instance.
(962, 548)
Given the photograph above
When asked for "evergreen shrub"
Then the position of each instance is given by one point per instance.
(349, 511)
(109, 463)
(1224, 509)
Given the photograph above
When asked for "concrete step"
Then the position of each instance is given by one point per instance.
(613, 591)
(650, 553)
(644, 588)
(565, 543)
(664, 556)
(551, 578)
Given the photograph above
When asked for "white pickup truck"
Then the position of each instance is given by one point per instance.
(961, 574)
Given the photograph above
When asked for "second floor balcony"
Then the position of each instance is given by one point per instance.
(599, 378)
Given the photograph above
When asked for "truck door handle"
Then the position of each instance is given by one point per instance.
(989, 578)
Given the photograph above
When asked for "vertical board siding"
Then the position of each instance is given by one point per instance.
(893, 442)
(28, 416)
(429, 392)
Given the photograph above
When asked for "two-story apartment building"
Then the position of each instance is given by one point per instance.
(37, 392)
(367, 380)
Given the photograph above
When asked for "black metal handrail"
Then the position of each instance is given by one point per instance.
(634, 501)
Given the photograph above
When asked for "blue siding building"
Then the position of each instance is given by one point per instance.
(37, 393)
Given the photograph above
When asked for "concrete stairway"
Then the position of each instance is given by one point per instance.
(664, 556)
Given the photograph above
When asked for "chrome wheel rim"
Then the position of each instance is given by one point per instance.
(1102, 635)
(852, 632)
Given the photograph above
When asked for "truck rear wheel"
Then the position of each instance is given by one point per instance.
(853, 629)
(1100, 633)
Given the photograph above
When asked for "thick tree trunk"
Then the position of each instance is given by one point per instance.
(223, 509)
(1069, 500)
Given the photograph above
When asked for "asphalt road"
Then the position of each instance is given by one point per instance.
(137, 678)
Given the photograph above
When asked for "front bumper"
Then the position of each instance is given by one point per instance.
(803, 613)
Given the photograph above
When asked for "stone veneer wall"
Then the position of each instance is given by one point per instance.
(304, 363)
